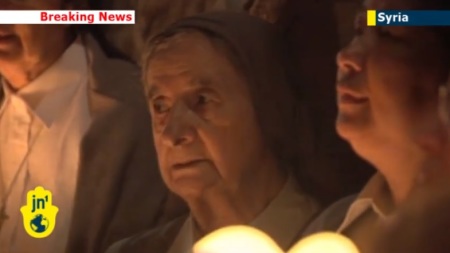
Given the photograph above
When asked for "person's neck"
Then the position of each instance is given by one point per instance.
(400, 167)
(20, 73)
(217, 208)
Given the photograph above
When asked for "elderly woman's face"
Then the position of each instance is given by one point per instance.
(28, 43)
(387, 80)
(204, 124)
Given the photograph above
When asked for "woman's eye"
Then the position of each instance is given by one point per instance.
(160, 106)
(202, 100)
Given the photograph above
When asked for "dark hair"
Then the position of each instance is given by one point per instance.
(434, 4)
(443, 32)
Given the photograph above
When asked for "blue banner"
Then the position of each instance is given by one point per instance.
(408, 18)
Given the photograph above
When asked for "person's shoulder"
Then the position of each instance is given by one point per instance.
(115, 77)
(331, 218)
(155, 240)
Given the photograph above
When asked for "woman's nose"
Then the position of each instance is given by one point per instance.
(179, 129)
(350, 58)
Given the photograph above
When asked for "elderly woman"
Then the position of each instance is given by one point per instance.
(224, 128)
(387, 87)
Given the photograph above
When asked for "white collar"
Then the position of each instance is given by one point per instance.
(47, 96)
(375, 195)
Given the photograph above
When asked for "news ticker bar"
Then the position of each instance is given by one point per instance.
(68, 17)
(374, 17)
(407, 18)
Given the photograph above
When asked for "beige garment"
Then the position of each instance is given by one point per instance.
(41, 128)
(283, 219)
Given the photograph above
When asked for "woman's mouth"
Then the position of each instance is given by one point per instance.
(348, 96)
(188, 164)
(351, 99)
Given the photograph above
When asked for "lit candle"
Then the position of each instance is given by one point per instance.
(245, 239)
(325, 242)
(237, 239)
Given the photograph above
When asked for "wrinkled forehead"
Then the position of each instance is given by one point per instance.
(187, 50)
(177, 43)
(175, 53)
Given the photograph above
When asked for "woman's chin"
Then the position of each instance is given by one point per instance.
(350, 131)
(190, 187)
(361, 140)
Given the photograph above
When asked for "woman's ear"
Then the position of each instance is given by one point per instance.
(436, 143)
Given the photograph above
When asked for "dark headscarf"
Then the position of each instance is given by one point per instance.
(258, 53)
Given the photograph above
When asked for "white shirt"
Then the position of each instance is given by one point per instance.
(52, 110)
(283, 219)
(372, 206)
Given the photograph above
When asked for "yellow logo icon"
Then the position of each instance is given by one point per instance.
(39, 214)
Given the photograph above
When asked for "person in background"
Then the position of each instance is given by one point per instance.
(387, 86)
(225, 131)
(75, 122)
(420, 225)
